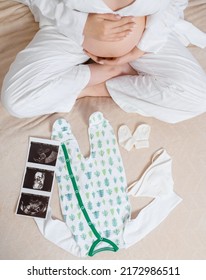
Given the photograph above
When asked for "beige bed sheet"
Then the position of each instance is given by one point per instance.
(180, 236)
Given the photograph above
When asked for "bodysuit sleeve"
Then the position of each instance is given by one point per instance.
(160, 24)
(156, 183)
(58, 233)
(68, 21)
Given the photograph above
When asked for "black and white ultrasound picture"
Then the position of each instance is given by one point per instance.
(33, 205)
(38, 179)
(43, 153)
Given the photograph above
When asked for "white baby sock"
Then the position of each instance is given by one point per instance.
(139, 139)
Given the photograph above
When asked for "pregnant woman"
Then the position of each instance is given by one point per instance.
(141, 61)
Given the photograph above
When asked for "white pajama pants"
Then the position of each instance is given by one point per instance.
(48, 75)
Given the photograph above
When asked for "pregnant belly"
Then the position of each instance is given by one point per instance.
(118, 48)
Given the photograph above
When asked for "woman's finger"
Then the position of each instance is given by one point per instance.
(117, 32)
(109, 61)
(110, 17)
(121, 35)
(124, 28)
(126, 22)
(94, 57)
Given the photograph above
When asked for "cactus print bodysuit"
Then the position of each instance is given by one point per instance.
(94, 197)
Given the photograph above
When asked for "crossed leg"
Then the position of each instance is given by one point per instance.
(100, 74)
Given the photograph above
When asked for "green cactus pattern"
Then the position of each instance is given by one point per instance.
(81, 226)
(106, 182)
(79, 215)
(83, 236)
(100, 179)
(112, 211)
(87, 195)
(82, 166)
(89, 205)
(97, 173)
(111, 202)
(72, 217)
(116, 189)
(106, 224)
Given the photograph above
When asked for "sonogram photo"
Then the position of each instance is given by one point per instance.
(33, 205)
(38, 179)
(43, 153)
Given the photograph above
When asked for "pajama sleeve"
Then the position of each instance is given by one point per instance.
(160, 24)
(69, 22)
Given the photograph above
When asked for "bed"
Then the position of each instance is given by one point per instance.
(180, 236)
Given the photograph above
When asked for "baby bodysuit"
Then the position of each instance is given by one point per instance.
(94, 197)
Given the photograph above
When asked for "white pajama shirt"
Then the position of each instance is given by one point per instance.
(49, 74)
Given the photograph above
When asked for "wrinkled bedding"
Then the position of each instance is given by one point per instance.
(180, 236)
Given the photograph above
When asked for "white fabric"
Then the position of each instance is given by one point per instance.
(67, 21)
(170, 85)
(163, 17)
(139, 139)
(156, 182)
(48, 75)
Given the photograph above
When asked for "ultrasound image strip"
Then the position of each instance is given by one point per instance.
(33, 205)
(38, 178)
(42, 152)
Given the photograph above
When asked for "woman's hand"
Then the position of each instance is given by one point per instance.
(108, 27)
(129, 57)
